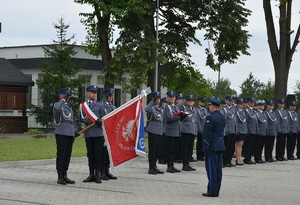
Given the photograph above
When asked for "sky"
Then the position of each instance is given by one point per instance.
(30, 22)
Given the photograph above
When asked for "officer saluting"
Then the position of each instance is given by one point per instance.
(213, 147)
(94, 136)
(155, 130)
(65, 132)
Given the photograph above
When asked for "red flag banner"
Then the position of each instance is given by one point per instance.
(121, 129)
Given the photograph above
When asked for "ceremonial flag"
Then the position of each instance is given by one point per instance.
(123, 131)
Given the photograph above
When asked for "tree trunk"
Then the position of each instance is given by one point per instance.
(282, 55)
(103, 36)
(150, 37)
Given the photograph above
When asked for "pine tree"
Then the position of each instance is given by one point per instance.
(58, 71)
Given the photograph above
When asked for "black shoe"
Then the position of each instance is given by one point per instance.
(110, 176)
(98, 176)
(186, 168)
(209, 195)
(269, 160)
(158, 171)
(291, 158)
(280, 159)
(227, 165)
(103, 176)
(90, 178)
(232, 165)
(178, 161)
(69, 181)
(170, 170)
(260, 161)
(191, 168)
(61, 180)
(298, 157)
(175, 169)
(152, 171)
(248, 162)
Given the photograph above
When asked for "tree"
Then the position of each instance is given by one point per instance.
(283, 51)
(179, 21)
(297, 90)
(225, 88)
(58, 72)
(251, 87)
(267, 91)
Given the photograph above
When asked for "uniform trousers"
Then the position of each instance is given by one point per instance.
(213, 165)
(161, 153)
(64, 146)
(229, 141)
(171, 148)
(248, 146)
(269, 144)
(94, 146)
(259, 146)
(280, 145)
(178, 151)
(291, 144)
(105, 158)
(186, 144)
(199, 151)
(298, 145)
(153, 149)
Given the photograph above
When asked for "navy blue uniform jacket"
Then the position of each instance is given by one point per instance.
(213, 132)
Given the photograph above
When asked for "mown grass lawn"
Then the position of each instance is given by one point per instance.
(41, 148)
(32, 149)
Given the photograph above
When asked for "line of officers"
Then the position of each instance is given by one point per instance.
(252, 126)
(67, 127)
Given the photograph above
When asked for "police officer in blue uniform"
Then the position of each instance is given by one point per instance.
(262, 131)
(155, 130)
(106, 107)
(65, 131)
(241, 129)
(272, 131)
(282, 128)
(162, 156)
(94, 136)
(230, 130)
(252, 125)
(172, 116)
(202, 113)
(293, 130)
(188, 129)
(213, 147)
(178, 102)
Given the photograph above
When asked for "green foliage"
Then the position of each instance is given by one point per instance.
(224, 25)
(297, 90)
(251, 87)
(34, 132)
(224, 88)
(267, 91)
(2, 129)
(58, 71)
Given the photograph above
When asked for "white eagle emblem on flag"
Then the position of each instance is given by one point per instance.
(127, 131)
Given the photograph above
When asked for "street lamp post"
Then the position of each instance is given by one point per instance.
(156, 62)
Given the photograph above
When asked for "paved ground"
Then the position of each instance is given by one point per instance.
(34, 182)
